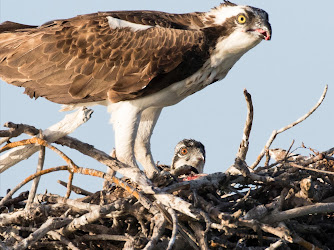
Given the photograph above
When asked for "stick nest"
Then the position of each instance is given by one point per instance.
(285, 203)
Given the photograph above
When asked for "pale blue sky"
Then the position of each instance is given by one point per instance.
(285, 76)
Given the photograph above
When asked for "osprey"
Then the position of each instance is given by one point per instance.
(189, 152)
(134, 62)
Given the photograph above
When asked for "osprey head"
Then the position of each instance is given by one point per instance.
(189, 152)
(239, 29)
(249, 20)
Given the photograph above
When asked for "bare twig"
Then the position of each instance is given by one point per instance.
(277, 245)
(200, 235)
(69, 185)
(12, 218)
(135, 174)
(28, 179)
(63, 239)
(288, 151)
(329, 152)
(50, 224)
(35, 183)
(16, 130)
(76, 189)
(110, 171)
(299, 211)
(56, 199)
(132, 173)
(62, 128)
(175, 228)
(184, 232)
(90, 217)
(276, 132)
(158, 230)
(278, 231)
(243, 148)
(103, 237)
(23, 196)
(311, 169)
(307, 245)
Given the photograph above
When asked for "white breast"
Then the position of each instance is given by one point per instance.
(180, 90)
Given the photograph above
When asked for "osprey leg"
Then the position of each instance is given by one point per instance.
(143, 153)
(125, 119)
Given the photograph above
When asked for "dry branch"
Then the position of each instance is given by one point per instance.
(57, 236)
(287, 204)
(33, 189)
(28, 179)
(66, 126)
(75, 189)
(49, 225)
(276, 132)
(299, 211)
(16, 130)
(134, 174)
(242, 152)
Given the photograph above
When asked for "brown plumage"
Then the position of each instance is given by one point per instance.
(134, 62)
(82, 59)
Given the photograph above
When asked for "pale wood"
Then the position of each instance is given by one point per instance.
(57, 236)
(66, 126)
(159, 228)
(281, 130)
(243, 148)
(299, 211)
(50, 224)
(35, 182)
(76, 189)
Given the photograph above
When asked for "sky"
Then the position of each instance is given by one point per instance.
(285, 76)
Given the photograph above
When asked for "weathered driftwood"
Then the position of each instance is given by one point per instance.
(66, 126)
(286, 204)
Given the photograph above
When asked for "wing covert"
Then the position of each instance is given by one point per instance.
(82, 59)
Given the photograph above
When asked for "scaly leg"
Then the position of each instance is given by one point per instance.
(143, 153)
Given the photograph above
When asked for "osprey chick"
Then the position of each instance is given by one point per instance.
(189, 152)
(134, 62)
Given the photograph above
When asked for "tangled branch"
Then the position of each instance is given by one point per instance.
(287, 203)
(276, 132)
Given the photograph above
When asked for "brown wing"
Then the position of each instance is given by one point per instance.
(83, 60)
(162, 19)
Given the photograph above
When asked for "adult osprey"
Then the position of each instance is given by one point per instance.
(134, 62)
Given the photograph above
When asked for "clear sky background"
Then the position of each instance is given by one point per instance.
(285, 76)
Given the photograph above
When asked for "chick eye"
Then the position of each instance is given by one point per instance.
(242, 19)
(183, 151)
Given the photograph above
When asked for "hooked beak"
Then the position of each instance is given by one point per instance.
(264, 31)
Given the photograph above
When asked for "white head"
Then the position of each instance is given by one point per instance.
(239, 28)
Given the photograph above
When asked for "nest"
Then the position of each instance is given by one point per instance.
(285, 203)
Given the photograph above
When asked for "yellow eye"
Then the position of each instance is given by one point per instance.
(183, 151)
(242, 19)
